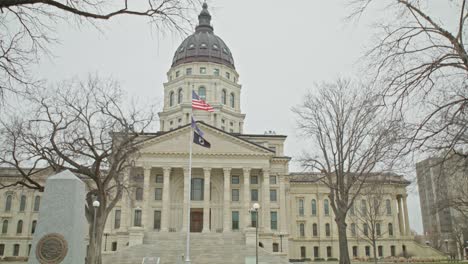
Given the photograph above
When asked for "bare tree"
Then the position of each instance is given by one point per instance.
(421, 62)
(27, 28)
(351, 137)
(84, 127)
(459, 226)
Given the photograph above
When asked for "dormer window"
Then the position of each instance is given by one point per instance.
(215, 46)
(181, 49)
(191, 46)
(203, 45)
(225, 51)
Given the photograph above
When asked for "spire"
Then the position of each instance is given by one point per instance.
(204, 19)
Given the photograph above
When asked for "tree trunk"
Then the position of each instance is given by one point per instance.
(343, 241)
(95, 238)
(375, 251)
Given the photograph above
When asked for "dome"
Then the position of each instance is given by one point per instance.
(203, 45)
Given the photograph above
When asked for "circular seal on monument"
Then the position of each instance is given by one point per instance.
(51, 249)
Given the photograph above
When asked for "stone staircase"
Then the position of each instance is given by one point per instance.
(206, 248)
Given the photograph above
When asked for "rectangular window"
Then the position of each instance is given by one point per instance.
(274, 220)
(316, 252)
(314, 230)
(275, 247)
(355, 251)
(327, 230)
(235, 220)
(235, 195)
(216, 72)
(388, 205)
(197, 189)
(114, 246)
(157, 220)
(377, 229)
(273, 195)
(303, 252)
(16, 249)
(177, 73)
(2, 249)
(188, 71)
(301, 230)
(301, 207)
(253, 179)
(228, 75)
(137, 218)
(253, 218)
(380, 251)
(392, 251)
(272, 179)
(158, 194)
(235, 179)
(329, 252)
(160, 178)
(117, 219)
(202, 70)
(254, 195)
(365, 228)
(367, 249)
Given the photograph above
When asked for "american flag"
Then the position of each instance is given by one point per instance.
(200, 104)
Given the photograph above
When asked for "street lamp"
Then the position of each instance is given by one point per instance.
(96, 205)
(446, 246)
(255, 208)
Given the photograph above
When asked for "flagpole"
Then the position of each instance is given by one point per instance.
(187, 246)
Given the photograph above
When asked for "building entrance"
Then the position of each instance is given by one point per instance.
(196, 220)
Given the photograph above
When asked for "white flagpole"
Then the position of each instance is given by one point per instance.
(187, 252)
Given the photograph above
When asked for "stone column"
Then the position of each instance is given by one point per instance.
(125, 212)
(186, 200)
(265, 223)
(146, 208)
(206, 200)
(227, 200)
(246, 199)
(405, 211)
(166, 200)
(281, 197)
(400, 216)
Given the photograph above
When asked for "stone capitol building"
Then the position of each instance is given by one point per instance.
(295, 219)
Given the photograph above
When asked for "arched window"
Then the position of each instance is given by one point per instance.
(231, 100)
(180, 96)
(326, 207)
(37, 203)
(33, 226)
(378, 231)
(171, 98)
(22, 203)
(223, 97)
(327, 229)
(314, 207)
(139, 194)
(301, 207)
(8, 203)
(314, 230)
(388, 205)
(19, 227)
(5, 227)
(202, 93)
(390, 229)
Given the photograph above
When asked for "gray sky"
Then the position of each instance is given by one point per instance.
(280, 48)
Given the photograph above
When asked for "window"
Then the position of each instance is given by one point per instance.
(5, 227)
(158, 194)
(253, 218)
(326, 207)
(202, 92)
(327, 229)
(316, 252)
(365, 228)
(388, 205)
(353, 229)
(378, 231)
(314, 207)
(137, 218)
(177, 74)
(215, 46)
(37, 203)
(139, 194)
(19, 227)
(355, 251)
(171, 98)
(392, 251)
(232, 100)
(223, 96)
(329, 252)
(29, 249)
(301, 207)
(8, 203)
(16, 248)
(157, 220)
(216, 72)
(274, 220)
(253, 179)
(114, 246)
(390, 229)
(235, 195)
(363, 207)
(235, 179)
(22, 203)
(2, 249)
(275, 247)
(159, 179)
(301, 230)
(197, 189)
(188, 71)
(314, 230)
(180, 96)
(303, 252)
(228, 75)
(254, 195)
(191, 46)
(117, 216)
(367, 249)
(202, 70)
(273, 195)
(272, 179)
(380, 251)
(33, 226)
(235, 220)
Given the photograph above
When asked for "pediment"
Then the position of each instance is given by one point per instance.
(222, 143)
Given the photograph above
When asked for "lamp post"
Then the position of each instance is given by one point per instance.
(255, 208)
(96, 205)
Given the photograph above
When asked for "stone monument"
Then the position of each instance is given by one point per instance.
(61, 229)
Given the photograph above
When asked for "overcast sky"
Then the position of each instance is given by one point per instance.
(280, 48)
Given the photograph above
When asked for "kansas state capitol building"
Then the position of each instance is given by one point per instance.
(295, 219)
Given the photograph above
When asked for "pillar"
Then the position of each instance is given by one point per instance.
(206, 200)
(125, 212)
(400, 216)
(227, 200)
(186, 200)
(282, 201)
(266, 200)
(146, 210)
(405, 211)
(246, 198)
(166, 200)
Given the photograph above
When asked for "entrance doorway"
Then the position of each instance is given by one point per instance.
(196, 220)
